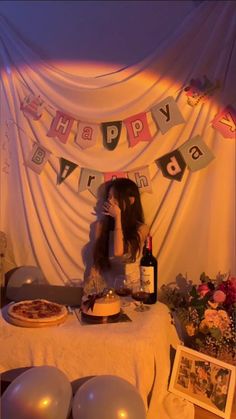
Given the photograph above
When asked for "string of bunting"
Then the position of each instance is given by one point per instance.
(193, 154)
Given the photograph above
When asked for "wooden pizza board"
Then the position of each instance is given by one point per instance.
(25, 323)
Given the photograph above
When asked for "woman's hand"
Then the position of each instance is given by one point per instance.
(111, 209)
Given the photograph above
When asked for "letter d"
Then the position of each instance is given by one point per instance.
(173, 167)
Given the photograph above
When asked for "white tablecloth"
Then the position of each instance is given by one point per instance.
(138, 351)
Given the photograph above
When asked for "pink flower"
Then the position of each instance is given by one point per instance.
(217, 318)
(203, 289)
(219, 296)
(224, 321)
(229, 288)
(211, 318)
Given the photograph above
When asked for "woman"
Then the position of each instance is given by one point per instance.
(119, 236)
(220, 389)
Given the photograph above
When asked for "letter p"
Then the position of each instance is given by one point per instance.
(137, 127)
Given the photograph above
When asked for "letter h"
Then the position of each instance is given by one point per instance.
(141, 180)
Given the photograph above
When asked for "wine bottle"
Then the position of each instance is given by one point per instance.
(148, 271)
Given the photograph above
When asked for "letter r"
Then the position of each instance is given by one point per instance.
(90, 179)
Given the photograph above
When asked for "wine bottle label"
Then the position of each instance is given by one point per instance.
(147, 277)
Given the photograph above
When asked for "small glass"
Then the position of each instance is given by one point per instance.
(123, 288)
(140, 294)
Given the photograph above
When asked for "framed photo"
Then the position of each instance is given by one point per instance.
(203, 380)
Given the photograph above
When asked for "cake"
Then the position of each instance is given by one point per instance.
(101, 306)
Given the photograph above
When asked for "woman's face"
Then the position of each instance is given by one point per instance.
(113, 200)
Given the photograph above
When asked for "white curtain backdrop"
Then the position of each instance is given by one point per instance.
(192, 222)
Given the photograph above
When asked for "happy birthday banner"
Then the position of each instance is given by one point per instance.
(165, 114)
(193, 154)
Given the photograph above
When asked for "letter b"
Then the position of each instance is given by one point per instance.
(38, 156)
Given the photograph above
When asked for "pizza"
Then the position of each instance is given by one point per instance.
(37, 312)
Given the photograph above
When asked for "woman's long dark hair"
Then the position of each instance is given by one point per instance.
(131, 218)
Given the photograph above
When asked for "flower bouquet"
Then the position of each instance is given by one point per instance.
(206, 314)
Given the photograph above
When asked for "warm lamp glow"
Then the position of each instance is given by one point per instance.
(45, 402)
(122, 414)
(28, 281)
(86, 68)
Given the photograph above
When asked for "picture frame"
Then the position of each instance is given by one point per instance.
(203, 380)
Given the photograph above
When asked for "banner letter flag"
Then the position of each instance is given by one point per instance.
(91, 180)
(142, 179)
(225, 122)
(114, 175)
(32, 107)
(196, 153)
(137, 128)
(167, 114)
(38, 158)
(66, 168)
(61, 126)
(172, 165)
(86, 135)
(111, 134)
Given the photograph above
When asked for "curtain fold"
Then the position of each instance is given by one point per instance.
(192, 221)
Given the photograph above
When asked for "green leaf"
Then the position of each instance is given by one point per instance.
(193, 292)
(206, 298)
(199, 342)
(215, 332)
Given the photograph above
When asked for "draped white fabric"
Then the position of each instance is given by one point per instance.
(192, 222)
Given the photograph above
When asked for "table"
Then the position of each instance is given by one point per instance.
(138, 351)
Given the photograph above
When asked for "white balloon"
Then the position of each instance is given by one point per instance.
(108, 397)
(38, 393)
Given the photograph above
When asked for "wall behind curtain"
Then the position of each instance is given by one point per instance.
(50, 225)
(103, 33)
